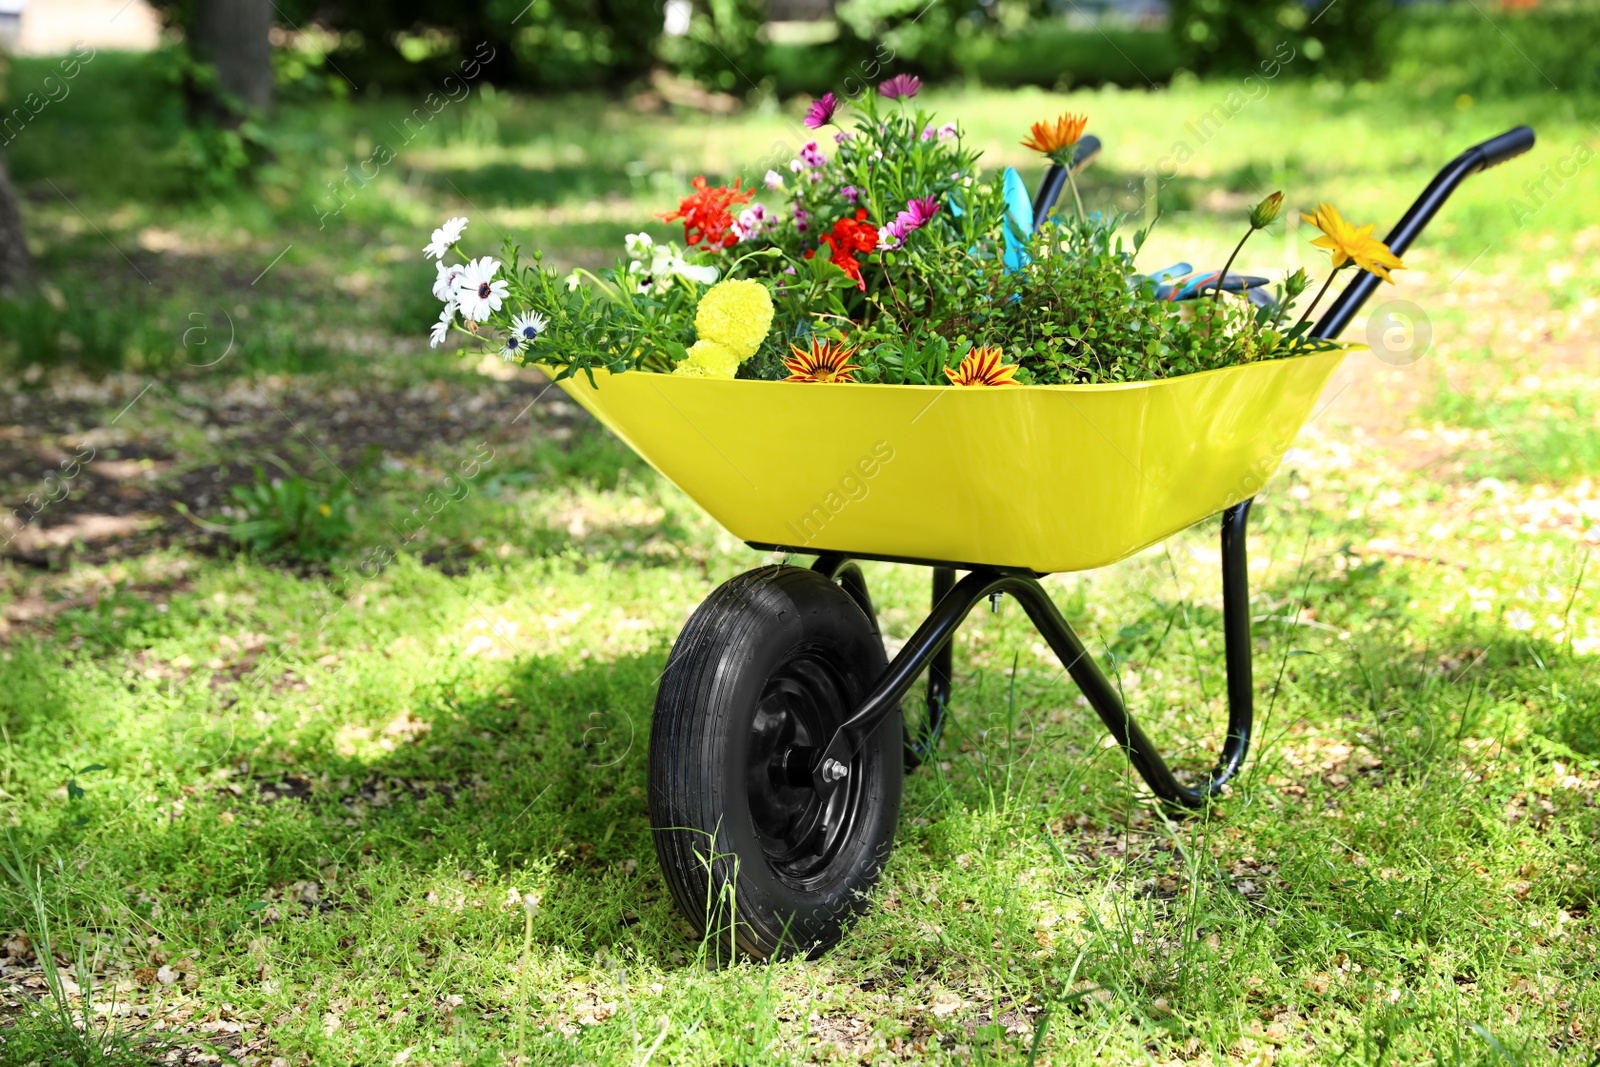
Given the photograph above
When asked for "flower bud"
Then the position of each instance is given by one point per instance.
(1262, 215)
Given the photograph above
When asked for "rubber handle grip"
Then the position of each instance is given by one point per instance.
(1508, 145)
(1083, 155)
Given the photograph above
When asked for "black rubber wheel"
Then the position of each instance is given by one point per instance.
(757, 682)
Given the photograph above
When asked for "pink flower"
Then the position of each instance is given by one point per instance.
(802, 219)
(929, 133)
(774, 180)
(820, 113)
(920, 211)
(916, 215)
(850, 193)
(811, 156)
(753, 222)
(948, 132)
(841, 137)
(900, 86)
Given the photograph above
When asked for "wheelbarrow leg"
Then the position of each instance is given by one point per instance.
(921, 746)
(1237, 652)
(936, 631)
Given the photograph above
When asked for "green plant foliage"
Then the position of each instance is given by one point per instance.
(1491, 51)
(1064, 304)
(1057, 55)
(53, 1035)
(548, 44)
(291, 516)
(223, 142)
(1235, 36)
(722, 48)
(918, 36)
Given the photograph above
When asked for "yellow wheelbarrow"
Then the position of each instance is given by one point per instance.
(777, 745)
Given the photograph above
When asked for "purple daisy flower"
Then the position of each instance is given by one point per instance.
(916, 215)
(901, 86)
(921, 210)
(820, 113)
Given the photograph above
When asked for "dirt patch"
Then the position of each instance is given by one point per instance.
(96, 471)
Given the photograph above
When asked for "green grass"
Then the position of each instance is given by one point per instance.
(1540, 434)
(318, 806)
(321, 783)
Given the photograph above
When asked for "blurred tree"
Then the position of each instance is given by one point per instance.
(15, 264)
(231, 35)
(226, 73)
(228, 42)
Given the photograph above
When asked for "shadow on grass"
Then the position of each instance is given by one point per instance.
(508, 184)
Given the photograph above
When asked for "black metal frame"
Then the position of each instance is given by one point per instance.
(929, 648)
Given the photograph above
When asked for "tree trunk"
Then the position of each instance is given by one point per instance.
(232, 35)
(15, 263)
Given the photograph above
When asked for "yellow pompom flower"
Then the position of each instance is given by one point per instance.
(709, 359)
(735, 314)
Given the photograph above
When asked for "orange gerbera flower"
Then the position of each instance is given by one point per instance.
(984, 366)
(824, 362)
(1346, 243)
(1055, 139)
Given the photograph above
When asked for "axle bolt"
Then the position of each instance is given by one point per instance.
(994, 603)
(833, 770)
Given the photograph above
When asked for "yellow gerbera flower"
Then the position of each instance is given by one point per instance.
(825, 362)
(983, 366)
(1351, 244)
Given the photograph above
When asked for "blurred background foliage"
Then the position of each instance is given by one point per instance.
(743, 47)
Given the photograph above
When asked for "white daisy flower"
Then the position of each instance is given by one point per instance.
(478, 293)
(444, 237)
(527, 328)
(666, 261)
(641, 276)
(513, 347)
(703, 275)
(444, 283)
(663, 261)
(638, 245)
(441, 329)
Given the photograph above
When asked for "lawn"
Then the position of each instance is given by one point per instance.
(388, 807)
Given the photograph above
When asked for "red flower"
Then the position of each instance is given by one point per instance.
(707, 214)
(848, 237)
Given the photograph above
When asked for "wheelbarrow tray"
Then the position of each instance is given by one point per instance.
(1045, 478)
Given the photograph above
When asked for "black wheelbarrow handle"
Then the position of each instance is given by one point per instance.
(1494, 151)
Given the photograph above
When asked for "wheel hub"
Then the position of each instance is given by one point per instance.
(800, 830)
